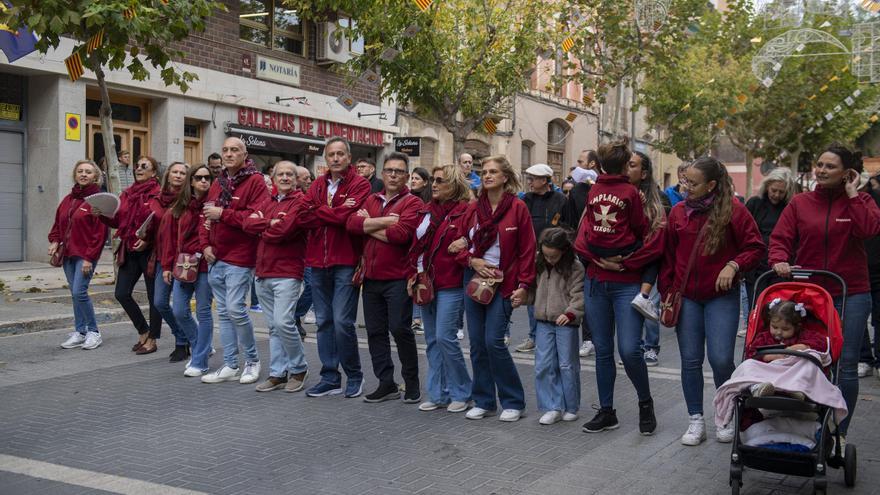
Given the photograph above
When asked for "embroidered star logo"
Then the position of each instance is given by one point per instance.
(605, 217)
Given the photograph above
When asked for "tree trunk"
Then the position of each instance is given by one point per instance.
(749, 171)
(458, 141)
(106, 114)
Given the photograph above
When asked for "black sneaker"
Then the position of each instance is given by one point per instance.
(412, 395)
(383, 393)
(178, 354)
(605, 419)
(647, 420)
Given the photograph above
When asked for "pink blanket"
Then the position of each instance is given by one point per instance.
(791, 374)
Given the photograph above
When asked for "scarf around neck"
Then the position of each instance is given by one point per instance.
(228, 184)
(487, 231)
(82, 192)
(439, 211)
(698, 205)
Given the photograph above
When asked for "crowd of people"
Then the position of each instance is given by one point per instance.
(426, 250)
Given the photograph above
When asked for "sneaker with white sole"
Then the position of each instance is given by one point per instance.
(457, 406)
(459, 334)
(354, 388)
(250, 374)
(645, 307)
(742, 332)
(550, 417)
(429, 406)
(93, 340)
(478, 413)
(570, 416)
(864, 369)
(309, 317)
(193, 372)
(527, 345)
(696, 432)
(724, 434)
(651, 358)
(510, 415)
(74, 340)
(586, 348)
(224, 374)
(321, 389)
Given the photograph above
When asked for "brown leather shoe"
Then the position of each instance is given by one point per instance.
(148, 347)
(139, 343)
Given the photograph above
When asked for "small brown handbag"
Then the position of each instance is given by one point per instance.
(670, 307)
(482, 289)
(422, 288)
(186, 267)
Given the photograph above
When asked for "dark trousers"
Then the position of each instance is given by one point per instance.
(387, 307)
(869, 354)
(130, 272)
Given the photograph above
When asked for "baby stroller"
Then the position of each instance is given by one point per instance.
(827, 450)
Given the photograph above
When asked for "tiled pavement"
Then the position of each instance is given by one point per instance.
(109, 412)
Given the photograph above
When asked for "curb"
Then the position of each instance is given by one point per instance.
(32, 325)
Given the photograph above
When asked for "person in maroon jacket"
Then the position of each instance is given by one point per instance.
(239, 191)
(78, 236)
(612, 239)
(448, 382)
(387, 223)
(715, 230)
(134, 255)
(180, 235)
(499, 234)
(172, 182)
(332, 255)
(825, 229)
(279, 278)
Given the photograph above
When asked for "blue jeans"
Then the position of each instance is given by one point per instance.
(533, 324)
(652, 327)
(336, 302)
(448, 378)
(162, 302)
(557, 368)
(490, 359)
(304, 303)
(706, 326)
(743, 306)
(607, 304)
(278, 298)
(83, 311)
(200, 336)
(417, 312)
(856, 313)
(230, 284)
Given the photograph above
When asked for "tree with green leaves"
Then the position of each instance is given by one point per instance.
(459, 61)
(126, 34)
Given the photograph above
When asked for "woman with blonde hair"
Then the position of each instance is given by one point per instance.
(77, 238)
(500, 247)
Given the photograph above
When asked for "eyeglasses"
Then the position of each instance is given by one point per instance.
(394, 171)
(144, 165)
(200, 178)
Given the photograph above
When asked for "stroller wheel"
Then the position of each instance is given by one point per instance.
(849, 465)
(735, 478)
(819, 486)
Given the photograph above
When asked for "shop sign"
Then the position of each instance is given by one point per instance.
(8, 111)
(277, 70)
(410, 146)
(307, 127)
(257, 140)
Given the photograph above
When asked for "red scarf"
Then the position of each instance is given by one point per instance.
(82, 192)
(136, 197)
(439, 211)
(487, 231)
(167, 197)
(228, 184)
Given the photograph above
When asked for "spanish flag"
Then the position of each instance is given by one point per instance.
(74, 66)
(423, 4)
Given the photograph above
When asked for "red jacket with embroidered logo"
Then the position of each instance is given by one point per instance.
(387, 260)
(231, 244)
(516, 241)
(446, 272)
(742, 244)
(329, 243)
(282, 248)
(825, 230)
(614, 216)
(82, 234)
(183, 236)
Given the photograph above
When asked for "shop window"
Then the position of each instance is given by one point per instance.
(269, 23)
(191, 130)
(121, 111)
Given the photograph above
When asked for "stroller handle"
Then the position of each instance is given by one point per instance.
(789, 352)
(800, 274)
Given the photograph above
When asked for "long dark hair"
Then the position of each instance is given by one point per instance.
(425, 193)
(722, 207)
(560, 238)
(651, 190)
(186, 192)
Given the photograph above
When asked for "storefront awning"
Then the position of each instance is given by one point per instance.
(260, 140)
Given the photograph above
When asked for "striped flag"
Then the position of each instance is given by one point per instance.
(74, 66)
(95, 41)
(490, 126)
(130, 13)
(570, 117)
(567, 44)
(423, 4)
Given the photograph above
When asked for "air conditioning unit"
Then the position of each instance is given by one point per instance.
(336, 49)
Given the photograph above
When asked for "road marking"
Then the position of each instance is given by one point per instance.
(88, 479)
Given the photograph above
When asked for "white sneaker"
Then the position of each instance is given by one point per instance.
(74, 339)
(550, 417)
(864, 370)
(477, 413)
(93, 340)
(429, 406)
(527, 345)
(644, 306)
(586, 348)
(724, 434)
(569, 416)
(250, 374)
(309, 317)
(510, 415)
(457, 406)
(696, 432)
(224, 374)
(742, 332)
(193, 372)
(459, 334)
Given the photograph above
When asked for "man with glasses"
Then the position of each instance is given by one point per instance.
(387, 223)
(546, 207)
(366, 168)
(466, 162)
